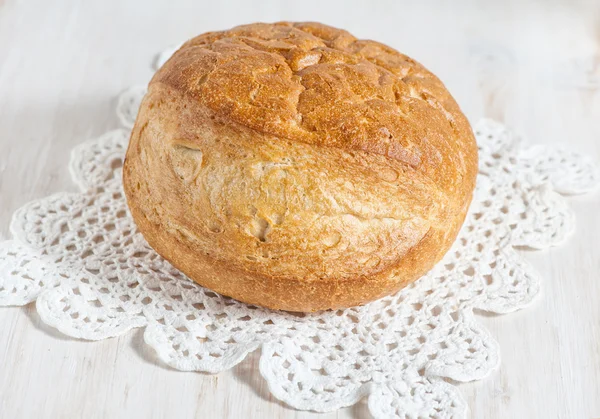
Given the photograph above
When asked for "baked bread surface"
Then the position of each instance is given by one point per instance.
(293, 166)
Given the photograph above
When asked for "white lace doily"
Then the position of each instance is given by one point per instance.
(92, 275)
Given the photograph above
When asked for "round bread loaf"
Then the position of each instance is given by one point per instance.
(295, 167)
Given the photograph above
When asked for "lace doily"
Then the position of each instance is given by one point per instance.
(92, 275)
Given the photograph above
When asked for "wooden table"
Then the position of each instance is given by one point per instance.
(534, 66)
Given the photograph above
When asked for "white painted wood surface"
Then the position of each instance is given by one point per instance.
(534, 66)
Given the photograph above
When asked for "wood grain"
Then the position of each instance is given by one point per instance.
(533, 65)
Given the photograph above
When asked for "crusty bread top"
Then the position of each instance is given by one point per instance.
(320, 85)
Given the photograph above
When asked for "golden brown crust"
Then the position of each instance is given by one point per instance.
(293, 166)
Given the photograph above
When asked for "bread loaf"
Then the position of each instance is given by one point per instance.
(295, 167)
